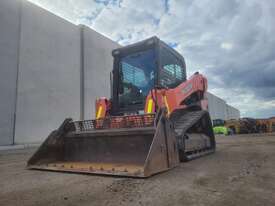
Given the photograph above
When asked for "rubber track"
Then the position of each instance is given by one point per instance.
(185, 122)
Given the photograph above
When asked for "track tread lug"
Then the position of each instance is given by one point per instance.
(181, 126)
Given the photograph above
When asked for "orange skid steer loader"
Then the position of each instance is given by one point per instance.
(154, 119)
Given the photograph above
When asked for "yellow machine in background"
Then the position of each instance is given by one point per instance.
(242, 126)
(272, 124)
(266, 125)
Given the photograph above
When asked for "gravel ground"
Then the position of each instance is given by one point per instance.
(241, 172)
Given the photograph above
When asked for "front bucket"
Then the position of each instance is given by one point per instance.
(137, 152)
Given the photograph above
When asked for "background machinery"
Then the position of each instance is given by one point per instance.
(219, 128)
(263, 125)
(154, 119)
(242, 126)
(266, 125)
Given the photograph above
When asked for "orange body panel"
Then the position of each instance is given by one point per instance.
(174, 99)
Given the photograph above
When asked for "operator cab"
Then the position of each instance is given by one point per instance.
(141, 67)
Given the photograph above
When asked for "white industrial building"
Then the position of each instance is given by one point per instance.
(219, 109)
(51, 69)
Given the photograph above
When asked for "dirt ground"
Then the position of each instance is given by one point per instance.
(241, 172)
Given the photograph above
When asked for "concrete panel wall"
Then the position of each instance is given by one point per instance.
(98, 63)
(219, 109)
(216, 106)
(49, 74)
(9, 40)
(232, 113)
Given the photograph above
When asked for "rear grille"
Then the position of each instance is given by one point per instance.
(118, 122)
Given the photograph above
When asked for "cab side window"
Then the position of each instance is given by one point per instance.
(172, 71)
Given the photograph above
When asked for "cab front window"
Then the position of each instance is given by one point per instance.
(136, 77)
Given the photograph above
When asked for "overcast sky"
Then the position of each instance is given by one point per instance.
(232, 42)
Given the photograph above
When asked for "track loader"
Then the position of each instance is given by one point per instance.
(155, 119)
